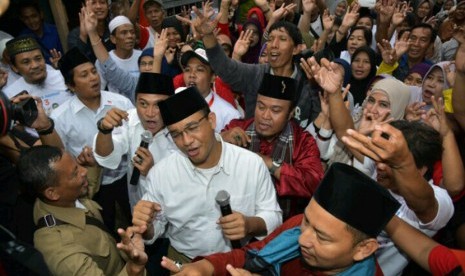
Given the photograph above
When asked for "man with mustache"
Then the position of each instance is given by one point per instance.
(37, 78)
(290, 153)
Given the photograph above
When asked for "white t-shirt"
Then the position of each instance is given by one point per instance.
(223, 110)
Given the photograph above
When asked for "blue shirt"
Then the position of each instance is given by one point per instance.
(49, 40)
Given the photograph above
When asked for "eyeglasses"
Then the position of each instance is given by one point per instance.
(190, 129)
(144, 64)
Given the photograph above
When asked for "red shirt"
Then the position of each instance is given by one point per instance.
(304, 175)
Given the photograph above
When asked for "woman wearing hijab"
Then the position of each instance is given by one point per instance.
(255, 46)
(175, 35)
(363, 69)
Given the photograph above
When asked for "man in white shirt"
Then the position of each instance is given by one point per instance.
(123, 35)
(182, 187)
(76, 123)
(198, 72)
(37, 79)
(124, 129)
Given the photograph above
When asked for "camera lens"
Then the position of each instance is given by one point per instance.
(25, 112)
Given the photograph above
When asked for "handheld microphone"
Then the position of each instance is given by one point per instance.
(146, 139)
(222, 198)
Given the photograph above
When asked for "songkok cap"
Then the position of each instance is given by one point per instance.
(118, 21)
(70, 60)
(356, 199)
(181, 105)
(198, 53)
(154, 83)
(282, 88)
(148, 3)
(21, 44)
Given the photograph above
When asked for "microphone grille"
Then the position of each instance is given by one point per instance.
(147, 136)
(222, 198)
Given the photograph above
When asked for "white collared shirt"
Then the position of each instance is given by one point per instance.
(187, 198)
(126, 140)
(52, 91)
(223, 110)
(77, 124)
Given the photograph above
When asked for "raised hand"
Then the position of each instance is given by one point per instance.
(88, 19)
(55, 57)
(387, 52)
(414, 111)
(282, 12)
(327, 75)
(133, 245)
(450, 73)
(386, 145)
(328, 20)
(369, 121)
(242, 44)
(113, 118)
(161, 44)
(402, 44)
(385, 10)
(202, 24)
(308, 6)
(399, 14)
(436, 117)
(432, 21)
(351, 16)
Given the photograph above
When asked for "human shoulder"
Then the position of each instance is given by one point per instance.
(117, 100)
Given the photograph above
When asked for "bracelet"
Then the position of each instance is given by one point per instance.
(96, 43)
(327, 132)
(102, 130)
(48, 130)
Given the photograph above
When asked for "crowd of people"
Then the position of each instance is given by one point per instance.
(257, 137)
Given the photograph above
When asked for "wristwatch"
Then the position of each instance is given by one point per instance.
(274, 166)
(102, 130)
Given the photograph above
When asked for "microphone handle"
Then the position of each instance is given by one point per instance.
(226, 210)
(135, 176)
(135, 171)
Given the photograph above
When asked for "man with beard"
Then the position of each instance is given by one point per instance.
(335, 236)
(123, 35)
(76, 123)
(290, 153)
(122, 129)
(37, 78)
(182, 188)
(70, 233)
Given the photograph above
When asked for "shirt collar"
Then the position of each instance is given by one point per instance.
(77, 105)
(294, 73)
(222, 164)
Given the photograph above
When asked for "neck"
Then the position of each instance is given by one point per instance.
(123, 54)
(285, 71)
(63, 204)
(39, 32)
(412, 62)
(91, 103)
(157, 29)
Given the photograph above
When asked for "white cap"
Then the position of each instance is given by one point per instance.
(118, 21)
(179, 89)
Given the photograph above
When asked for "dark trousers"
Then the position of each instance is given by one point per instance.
(108, 196)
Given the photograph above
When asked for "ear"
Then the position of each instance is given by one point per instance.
(113, 39)
(365, 249)
(212, 80)
(51, 194)
(14, 68)
(297, 49)
(212, 120)
(423, 170)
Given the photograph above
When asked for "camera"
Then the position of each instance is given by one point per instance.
(25, 112)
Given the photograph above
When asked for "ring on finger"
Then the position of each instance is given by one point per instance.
(178, 265)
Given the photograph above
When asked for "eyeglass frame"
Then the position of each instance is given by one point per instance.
(191, 128)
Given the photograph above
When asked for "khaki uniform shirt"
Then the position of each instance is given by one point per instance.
(77, 248)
